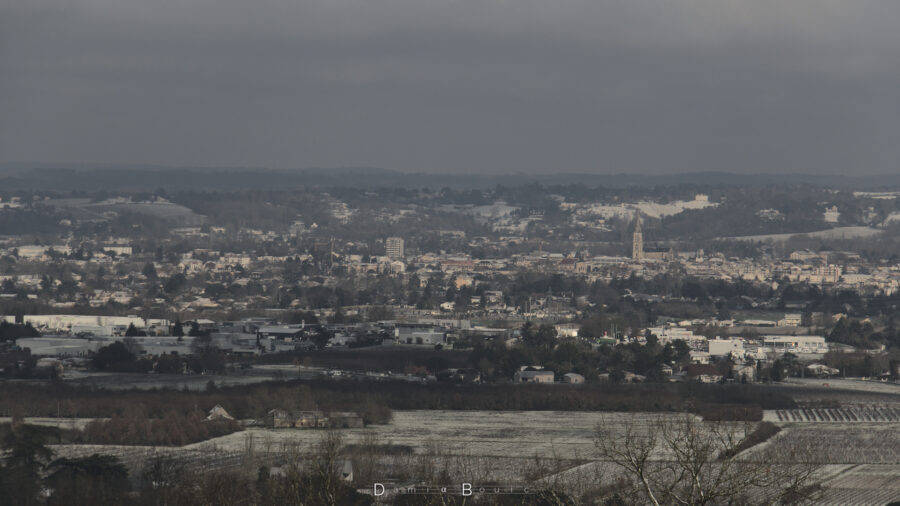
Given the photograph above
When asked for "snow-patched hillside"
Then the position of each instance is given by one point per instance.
(650, 209)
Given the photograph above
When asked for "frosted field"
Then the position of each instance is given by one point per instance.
(847, 384)
(844, 443)
(493, 446)
(863, 485)
(567, 435)
(543, 434)
(861, 460)
(848, 393)
(482, 436)
(62, 423)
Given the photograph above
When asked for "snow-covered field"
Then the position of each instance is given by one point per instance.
(481, 433)
(651, 209)
(62, 423)
(894, 216)
(488, 434)
(656, 210)
(858, 385)
(832, 233)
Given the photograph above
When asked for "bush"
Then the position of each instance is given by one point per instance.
(763, 432)
(375, 413)
(172, 430)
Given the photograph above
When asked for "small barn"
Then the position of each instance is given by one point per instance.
(308, 419)
(278, 419)
(531, 376)
(704, 373)
(573, 378)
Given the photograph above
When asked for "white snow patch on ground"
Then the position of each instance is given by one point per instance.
(651, 209)
(832, 233)
(894, 216)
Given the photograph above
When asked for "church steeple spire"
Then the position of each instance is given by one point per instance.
(637, 239)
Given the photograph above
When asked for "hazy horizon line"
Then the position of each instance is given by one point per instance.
(26, 165)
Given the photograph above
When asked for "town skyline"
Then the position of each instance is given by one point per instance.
(447, 253)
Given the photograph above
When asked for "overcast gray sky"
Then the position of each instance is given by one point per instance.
(651, 86)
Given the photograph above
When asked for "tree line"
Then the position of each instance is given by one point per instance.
(375, 401)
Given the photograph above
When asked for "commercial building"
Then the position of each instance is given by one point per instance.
(795, 344)
(725, 347)
(669, 334)
(410, 333)
(791, 320)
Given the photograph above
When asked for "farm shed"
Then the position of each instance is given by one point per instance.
(573, 378)
(534, 377)
(309, 419)
(278, 418)
(704, 373)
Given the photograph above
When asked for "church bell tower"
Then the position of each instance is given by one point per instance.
(637, 240)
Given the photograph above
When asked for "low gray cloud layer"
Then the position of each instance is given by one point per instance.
(652, 86)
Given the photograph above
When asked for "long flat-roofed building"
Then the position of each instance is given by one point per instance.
(796, 344)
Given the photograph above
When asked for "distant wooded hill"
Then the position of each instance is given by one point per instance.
(83, 177)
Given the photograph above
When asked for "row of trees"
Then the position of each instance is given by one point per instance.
(126, 356)
(172, 430)
(13, 331)
(374, 401)
(540, 346)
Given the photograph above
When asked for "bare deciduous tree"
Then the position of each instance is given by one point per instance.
(683, 460)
